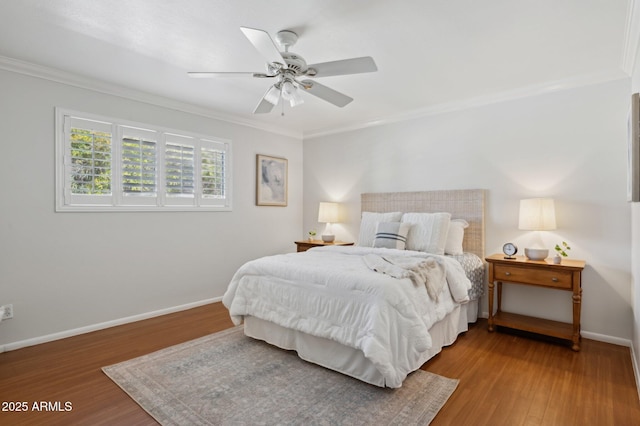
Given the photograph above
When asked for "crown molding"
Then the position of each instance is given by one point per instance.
(71, 79)
(631, 37)
(524, 92)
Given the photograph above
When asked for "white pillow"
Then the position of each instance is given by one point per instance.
(391, 235)
(428, 231)
(455, 236)
(369, 224)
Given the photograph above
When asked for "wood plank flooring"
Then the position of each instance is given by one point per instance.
(505, 379)
(520, 379)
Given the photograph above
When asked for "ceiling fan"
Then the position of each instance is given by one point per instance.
(289, 69)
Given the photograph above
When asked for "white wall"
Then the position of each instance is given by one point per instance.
(569, 145)
(635, 249)
(64, 271)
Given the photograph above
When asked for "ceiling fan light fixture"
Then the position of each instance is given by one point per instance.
(290, 93)
(273, 95)
(296, 99)
(288, 90)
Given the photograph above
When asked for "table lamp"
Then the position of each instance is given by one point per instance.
(328, 213)
(537, 214)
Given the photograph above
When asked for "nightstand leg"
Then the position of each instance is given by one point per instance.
(491, 285)
(577, 304)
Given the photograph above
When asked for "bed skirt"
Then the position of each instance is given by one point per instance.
(350, 361)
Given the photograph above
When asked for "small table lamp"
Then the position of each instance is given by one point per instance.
(537, 214)
(328, 213)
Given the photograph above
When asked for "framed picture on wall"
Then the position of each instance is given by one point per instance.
(271, 185)
(633, 155)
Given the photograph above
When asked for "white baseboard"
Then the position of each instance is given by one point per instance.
(82, 330)
(606, 339)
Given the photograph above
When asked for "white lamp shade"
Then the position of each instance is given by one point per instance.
(537, 214)
(295, 99)
(290, 93)
(288, 89)
(328, 212)
(273, 95)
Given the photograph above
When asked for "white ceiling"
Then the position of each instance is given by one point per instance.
(431, 54)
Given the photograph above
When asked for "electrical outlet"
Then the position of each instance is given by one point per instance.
(8, 311)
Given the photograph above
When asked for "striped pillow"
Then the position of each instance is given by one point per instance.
(391, 235)
(369, 223)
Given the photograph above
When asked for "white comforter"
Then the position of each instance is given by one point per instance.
(331, 293)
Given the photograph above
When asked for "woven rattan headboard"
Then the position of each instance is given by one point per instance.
(467, 204)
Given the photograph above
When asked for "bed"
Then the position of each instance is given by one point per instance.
(336, 307)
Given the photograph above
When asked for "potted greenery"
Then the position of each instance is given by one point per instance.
(312, 234)
(561, 251)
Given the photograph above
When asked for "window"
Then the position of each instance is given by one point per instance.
(139, 171)
(212, 173)
(112, 165)
(179, 160)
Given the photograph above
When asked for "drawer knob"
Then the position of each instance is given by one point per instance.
(554, 279)
(507, 273)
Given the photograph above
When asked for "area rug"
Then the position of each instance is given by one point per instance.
(227, 378)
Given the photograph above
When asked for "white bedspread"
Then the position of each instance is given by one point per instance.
(331, 293)
(427, 272)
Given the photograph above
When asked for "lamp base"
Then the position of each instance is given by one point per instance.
(327, 238)
(536, 253)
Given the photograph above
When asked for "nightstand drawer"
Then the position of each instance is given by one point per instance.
(536, 276)
(307, 244)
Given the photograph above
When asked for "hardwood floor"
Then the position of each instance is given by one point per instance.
(505, 379)
(70, 369)
(511, 379)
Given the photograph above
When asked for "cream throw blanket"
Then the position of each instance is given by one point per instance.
(421, 271)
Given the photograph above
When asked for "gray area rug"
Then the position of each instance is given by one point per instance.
(227, 378)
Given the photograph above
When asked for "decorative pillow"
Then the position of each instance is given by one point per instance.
(369, 224)
(428, 232)
(391, 235)
(455, 236)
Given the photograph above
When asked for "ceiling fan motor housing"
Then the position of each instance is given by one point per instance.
(295, 62)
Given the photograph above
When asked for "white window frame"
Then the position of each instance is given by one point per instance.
(118, 200)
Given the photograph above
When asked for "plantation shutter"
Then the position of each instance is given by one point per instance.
(179, 170)
(88, 177)
(214, 173)
(139, 166)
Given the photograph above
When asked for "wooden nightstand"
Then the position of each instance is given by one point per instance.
(541, 273)
(306, 244)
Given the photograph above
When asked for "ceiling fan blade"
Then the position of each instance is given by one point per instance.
(323, 92)
(212, 74)
(264, 44)
(345, 66)
(263, 107)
